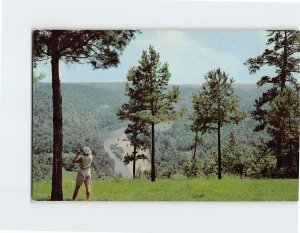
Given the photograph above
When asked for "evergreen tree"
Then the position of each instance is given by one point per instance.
(200, 123)
(261, 162)
(216, 105)
(99, 48)
(156, 100)
(283, 122)
(282, 54)
(234, 156)
(137, 130)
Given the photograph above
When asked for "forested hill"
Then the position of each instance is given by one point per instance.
(89, 113)
(89, 110)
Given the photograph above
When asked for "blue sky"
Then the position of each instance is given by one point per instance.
(190, 54)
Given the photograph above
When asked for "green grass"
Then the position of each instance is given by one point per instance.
(177, 189)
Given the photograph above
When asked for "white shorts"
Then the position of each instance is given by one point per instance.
(83, 175)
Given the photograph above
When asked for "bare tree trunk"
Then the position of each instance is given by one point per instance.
(284, 66)
(194, 156)
(134, 160)
(195, 149)
(219, 152)
(56, 193)
(279, 158)
(153, 155)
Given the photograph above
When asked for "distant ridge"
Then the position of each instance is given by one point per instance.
(171, 84)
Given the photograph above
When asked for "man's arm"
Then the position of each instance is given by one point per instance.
(77, 158)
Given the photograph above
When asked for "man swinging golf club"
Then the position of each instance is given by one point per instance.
(84, 159)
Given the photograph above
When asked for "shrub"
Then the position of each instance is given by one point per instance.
(168, 172)
(41, 167)
(147, 174)
(191, 168)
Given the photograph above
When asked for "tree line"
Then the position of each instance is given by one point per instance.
(216, 105)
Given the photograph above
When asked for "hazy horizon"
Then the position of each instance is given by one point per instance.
(181, 84)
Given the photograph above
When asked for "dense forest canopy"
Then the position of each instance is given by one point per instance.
(90, 115)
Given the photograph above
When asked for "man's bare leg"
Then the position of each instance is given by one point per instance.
(88, 192)
(76, 192)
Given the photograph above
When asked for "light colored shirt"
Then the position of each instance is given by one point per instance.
(85, 161)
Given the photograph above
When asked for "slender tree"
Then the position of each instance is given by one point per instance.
(137, 130)
(101, 49)
(216, 106)
(200, 122)
(156, 99)
(282, 55)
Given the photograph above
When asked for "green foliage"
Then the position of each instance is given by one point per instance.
(282, 51)
(168, 172)
(235, 156)
(149, 84)
(216, 103)
(191, 168)
(147, 174)
(89, 115)
(91, 106)
(283, 126)
(215, 106)
(262, 163)
(100, 48)
(118, 176)
(282, 54)
(129, 158)
(137, 130)
(208, 165)
(41, 167)
(151, 100)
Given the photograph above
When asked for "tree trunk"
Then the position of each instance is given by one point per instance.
(195, 149)
(284, 66)
(279, 158)
(133, 163)
(219, 152)
(153, 155)
(56, 193)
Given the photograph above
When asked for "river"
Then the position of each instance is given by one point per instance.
(111, 139)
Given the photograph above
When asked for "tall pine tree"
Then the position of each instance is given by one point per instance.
(156, 99)
(137, 130)
(283, 122)
(282, 54)
(216, 105)
(200, 123)
(100, 48)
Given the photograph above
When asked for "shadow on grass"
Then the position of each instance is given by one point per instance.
(198, 196)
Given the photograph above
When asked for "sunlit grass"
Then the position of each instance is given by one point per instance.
(177, 189)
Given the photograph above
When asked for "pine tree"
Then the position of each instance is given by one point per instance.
(216, 105)
(234, 156)
(156, 100)
(101, 49)
(282, 54)
(137, 130)
(200, 123)
(283, 122)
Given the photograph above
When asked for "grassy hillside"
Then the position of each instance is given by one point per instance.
(177, 189)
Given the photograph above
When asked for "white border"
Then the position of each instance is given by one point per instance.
(18, 212)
